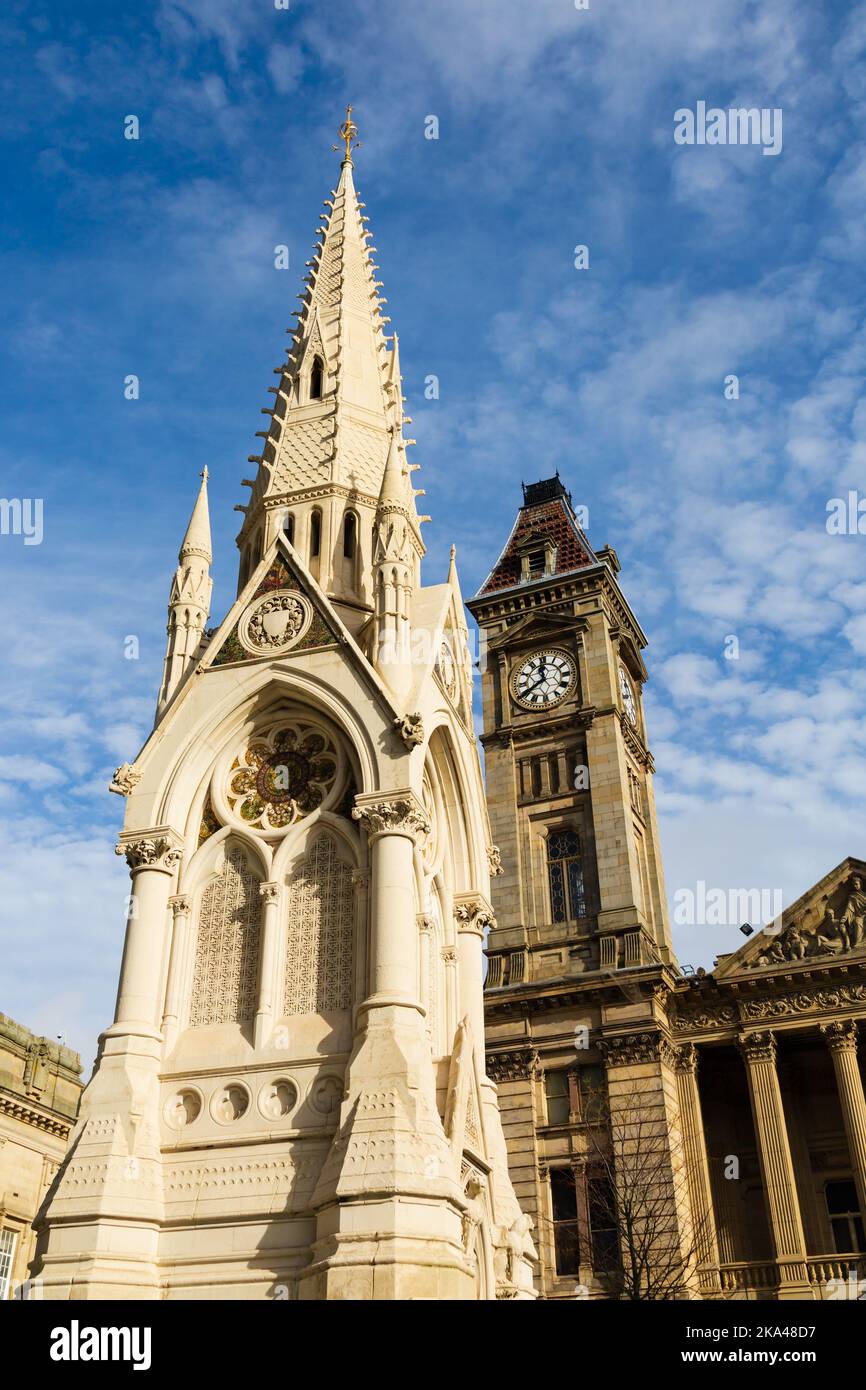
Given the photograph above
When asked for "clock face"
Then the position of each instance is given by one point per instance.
(543, 679)
(625, 690)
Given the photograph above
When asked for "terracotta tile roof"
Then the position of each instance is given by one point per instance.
(546, 515)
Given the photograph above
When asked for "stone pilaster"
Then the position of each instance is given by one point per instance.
(180, 906)
(704, 1236)
(777, 1169)
(841, 1038)
(268, 983)
(472, 916)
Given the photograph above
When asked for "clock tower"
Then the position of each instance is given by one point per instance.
(581, 948)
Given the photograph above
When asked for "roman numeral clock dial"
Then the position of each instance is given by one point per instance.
(543, 680)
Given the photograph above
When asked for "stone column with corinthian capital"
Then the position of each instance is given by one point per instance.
(153, 857)
(777, 1169)
(841, 1038)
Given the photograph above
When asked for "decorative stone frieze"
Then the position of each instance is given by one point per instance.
(516, 1065)
(632, 1049)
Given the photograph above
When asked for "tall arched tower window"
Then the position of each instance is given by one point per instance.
(225, 976)
(315, 534)
(317, 375)
(319, 947)
(289, 527)
(565, 876)
(350, 535)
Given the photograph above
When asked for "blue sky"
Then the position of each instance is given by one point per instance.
(155, 257)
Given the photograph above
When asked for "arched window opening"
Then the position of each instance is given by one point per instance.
(315, 534)
(289, 527)
(350, 532)
(317, 375)
(225, 976)
(319, 946)
(565, 876)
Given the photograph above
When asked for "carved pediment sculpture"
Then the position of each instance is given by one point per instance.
(835, 931)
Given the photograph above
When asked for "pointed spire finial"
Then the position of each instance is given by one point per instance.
(348, 131)
(204, 474)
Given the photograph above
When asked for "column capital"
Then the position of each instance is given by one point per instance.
(392, 813)
(180, 905)
(269, 891)
(473, 913)
(159, 849)
(686, 1058)
(521, 1064)
(632, 1049)
(758, 1047)
(841, 1035)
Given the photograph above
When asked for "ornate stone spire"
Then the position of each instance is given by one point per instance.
(395, 560)
(189, 600)
(337, 404)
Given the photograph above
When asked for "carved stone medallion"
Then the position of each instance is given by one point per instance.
(275, 622)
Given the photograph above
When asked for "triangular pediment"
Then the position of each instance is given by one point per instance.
(537, 627)
(826, 924)
(258, 628)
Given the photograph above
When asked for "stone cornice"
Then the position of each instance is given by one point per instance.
(723, 1014)
(516, 1064)
(631, 1049)
(500, 603)
(28, 1114)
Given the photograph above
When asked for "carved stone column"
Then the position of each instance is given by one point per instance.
(472, 916)
(152, 857)
(777, 1169)
(579, 1168)
(425, 935)
(270, 893)
(389, 1199)
(841, 1038)
(180, 906)
(393, 824)
(704, 1238)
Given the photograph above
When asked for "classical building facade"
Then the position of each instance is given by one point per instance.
(720, 1118)
(40, 1088)
(291, 1101)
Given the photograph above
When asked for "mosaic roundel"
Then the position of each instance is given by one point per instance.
(275, 622)
(282, 776)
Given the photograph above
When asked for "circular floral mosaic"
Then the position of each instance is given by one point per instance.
(282, 776)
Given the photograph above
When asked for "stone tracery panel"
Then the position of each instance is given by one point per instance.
(228, 942)
(320, 931)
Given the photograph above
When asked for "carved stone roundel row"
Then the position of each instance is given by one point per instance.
(275, 622)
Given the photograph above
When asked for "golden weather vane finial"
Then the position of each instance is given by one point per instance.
(348, 131)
